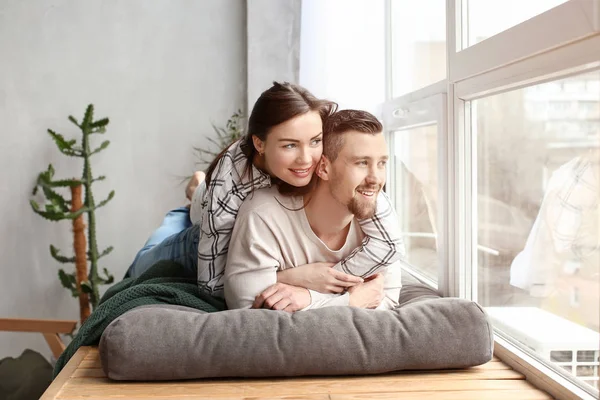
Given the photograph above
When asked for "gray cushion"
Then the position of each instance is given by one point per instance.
(170, 342)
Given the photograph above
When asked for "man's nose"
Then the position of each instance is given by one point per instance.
(375, 176)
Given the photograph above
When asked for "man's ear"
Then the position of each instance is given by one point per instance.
(324, 168)
(259, 145)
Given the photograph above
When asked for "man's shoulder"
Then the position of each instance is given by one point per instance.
(268, 201)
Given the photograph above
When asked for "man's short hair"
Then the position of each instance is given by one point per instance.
(343, 121)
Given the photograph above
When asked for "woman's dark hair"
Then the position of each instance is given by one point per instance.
(276, 105)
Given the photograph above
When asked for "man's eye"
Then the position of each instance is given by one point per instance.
(362, 162)
(382, 163)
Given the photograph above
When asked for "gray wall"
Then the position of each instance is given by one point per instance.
(162, 70)
(273, 44)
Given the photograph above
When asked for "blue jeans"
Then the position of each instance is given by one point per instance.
(176, 240)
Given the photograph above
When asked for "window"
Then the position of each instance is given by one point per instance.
(522, 83)
(418, 39)
(416, 195)
(490, 17)
(543, 280)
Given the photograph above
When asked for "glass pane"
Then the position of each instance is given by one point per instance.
(415, 186)
(490, 17)
(538, 216)
(587, 356)
(418, 44)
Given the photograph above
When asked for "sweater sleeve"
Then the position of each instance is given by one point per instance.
(382, 245)
(252, 263)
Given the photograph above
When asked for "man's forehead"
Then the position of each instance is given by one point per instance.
(363, 145)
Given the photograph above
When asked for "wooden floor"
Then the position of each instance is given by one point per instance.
(82, 378)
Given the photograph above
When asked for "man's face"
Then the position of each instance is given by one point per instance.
(358, 174)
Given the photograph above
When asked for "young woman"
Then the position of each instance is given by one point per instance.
(283, 146)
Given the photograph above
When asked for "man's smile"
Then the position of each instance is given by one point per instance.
(368, 193)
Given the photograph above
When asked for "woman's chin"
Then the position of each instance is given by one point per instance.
(298, 181)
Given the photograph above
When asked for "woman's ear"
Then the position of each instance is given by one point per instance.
(323, 168)
(259, 145)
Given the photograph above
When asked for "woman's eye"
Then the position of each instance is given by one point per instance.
(289, 146)
(316, 142)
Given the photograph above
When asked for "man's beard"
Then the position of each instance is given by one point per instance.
(363, 209)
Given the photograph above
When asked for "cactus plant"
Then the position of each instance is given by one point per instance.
(57, 208)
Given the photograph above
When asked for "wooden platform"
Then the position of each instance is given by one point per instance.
(82, 378)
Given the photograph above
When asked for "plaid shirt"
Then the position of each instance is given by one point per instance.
(566, 228)
(229, 187)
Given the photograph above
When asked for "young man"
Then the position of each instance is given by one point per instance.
(275, 233)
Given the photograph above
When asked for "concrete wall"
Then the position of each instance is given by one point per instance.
(273, 44)
(162, 70)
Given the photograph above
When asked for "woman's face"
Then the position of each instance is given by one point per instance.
(293, 149)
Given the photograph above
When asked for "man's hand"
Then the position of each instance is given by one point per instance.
(368, 294)
(319, 277)
(194, 182)
(283, 297)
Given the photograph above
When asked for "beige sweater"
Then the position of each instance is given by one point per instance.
(267, 238)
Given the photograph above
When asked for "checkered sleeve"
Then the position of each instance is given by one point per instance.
(382, 245)
(225, 194)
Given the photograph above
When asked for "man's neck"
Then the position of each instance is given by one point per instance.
(329, 219)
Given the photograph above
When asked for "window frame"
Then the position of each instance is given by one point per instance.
(424, 107)
(527, 54)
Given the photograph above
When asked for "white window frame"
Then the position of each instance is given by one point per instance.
(424, 107)
(526, 54)
(520, 41)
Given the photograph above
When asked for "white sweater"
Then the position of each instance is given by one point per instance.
(267, 238)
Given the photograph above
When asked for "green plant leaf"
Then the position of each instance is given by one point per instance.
(55, 253)
(100, 178)
(56, 199)
(104, 252)
(108, 279)
(60, 141)
(73, 120)
(88, 118)
(102, 147)
(76, 214)
(49, 215)
(86, 287)
(64, 183)
(103, 202)
(67, 280)
(100, 123)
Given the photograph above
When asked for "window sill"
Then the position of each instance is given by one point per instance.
(537, 373)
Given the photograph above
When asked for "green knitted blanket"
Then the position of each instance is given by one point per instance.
(166, 282)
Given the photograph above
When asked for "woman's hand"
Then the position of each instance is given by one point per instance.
(319, 277)
(283, 297)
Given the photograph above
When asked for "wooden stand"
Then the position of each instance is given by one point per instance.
(83, 377)
(50, 328)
